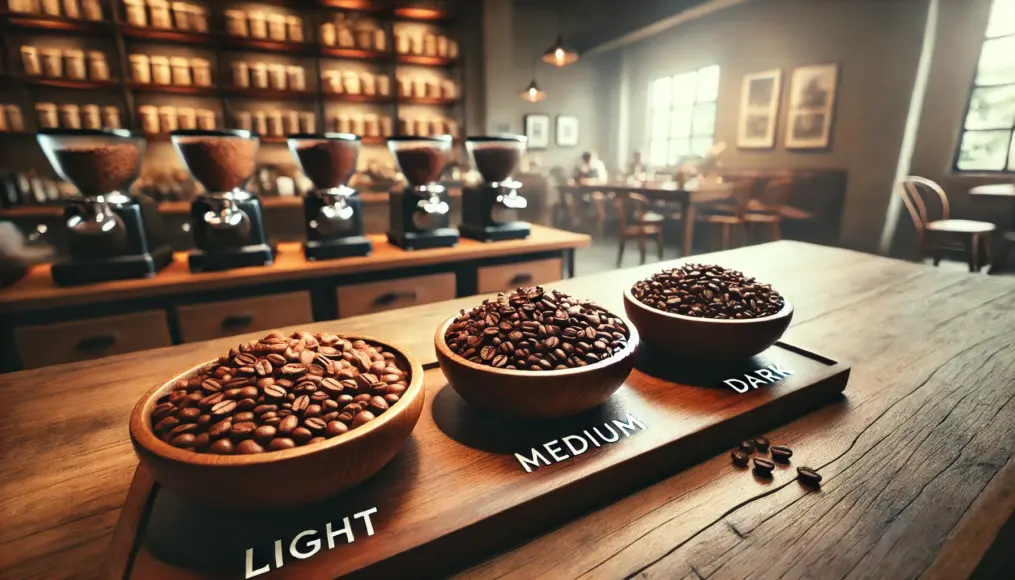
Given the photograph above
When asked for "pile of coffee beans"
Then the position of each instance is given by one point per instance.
(278, 393)
(536, 330)
(763, 467)
(708, 292)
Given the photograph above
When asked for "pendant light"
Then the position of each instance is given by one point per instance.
(533, 94)
(560, 55)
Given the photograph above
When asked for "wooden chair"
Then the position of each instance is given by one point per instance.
(767, 209)
(729, 214)
(634, 221)
(934, 236)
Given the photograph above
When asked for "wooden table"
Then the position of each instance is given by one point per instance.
(1005, 191)
(918, 459)
(687, 197)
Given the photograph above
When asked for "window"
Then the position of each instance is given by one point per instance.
(682, 115)
(987, 142)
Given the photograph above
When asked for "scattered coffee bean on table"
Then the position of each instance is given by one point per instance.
(761, 443)
(763, 466)
(536, 330)
(747, 446)
(781, 453)
(278, 393)
(808, 476)
(706, 291)
(740, 458)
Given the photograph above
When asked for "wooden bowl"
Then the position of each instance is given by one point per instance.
(279, 478)
(705, 338)
(535, 394)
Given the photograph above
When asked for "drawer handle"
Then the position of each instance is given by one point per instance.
(97, 343)
(519, 279)
(237, 321)
(391, 297)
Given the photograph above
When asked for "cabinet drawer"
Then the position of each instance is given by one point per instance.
(217, 319)
(510, 276)
(64, 342)
(390, 294)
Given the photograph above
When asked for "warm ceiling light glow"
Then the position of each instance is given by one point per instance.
(558, 55)
(350, 4)
(417, 13)
(533, 94)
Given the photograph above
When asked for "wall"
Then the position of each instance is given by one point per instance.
(515, 33)
(877, 47)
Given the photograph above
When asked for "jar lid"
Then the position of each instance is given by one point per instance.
(255, 15)
(138, 57)
(45, 105)
(276, 67)
(201, 62)
(235, 13)
(180, 61)
(148, 108)
(51, 51)
(291, 19)
(74, 53)
(276, 17)
(185, 110)
(96, 55)
(69, 107)
(160, 59)
(167, 109)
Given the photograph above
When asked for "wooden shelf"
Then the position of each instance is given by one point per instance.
(166, 35)
(246, 43)
(374, 140)
(425, 60)
(41, 22)
(426, 101)
(354, 53)
(172, 89)
(272, 94)
(71, 84)
(344, 97)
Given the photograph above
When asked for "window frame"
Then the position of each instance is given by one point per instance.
(1010, 151)
(667, 142)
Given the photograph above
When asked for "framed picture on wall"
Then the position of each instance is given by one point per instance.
(537, 129)
(811, 106)
(759, 109)
(567, 131)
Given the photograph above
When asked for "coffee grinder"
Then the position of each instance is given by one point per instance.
(419, 213)
(333, 212)
(226, 221)
(490, 209)
(112, 234)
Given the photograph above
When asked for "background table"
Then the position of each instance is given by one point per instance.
(1005, 191)
(917, 458)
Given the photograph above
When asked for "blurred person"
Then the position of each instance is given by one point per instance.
(590, 170)
(636, 169)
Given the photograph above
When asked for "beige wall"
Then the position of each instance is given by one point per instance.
(877, 47)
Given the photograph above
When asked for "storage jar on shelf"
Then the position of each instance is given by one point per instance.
(236, 22)
(258, 24)
(181, 15)
(74, 64)
(135, 12)
(46, 114)
(181, 71)
(91, 118)
(98, 66)
(294, 27)
(70, 116)
(159, 11)
(167, 119)
(201, 69)
(206, 119)
(186, 118)
(259, 75)
(241, 74)
(111, 117)
(149, 118)
(140, 69)
(91, 9)
(276, 27)
(71, 9)
(30, 60)
(52, 62)
(277, 77)
(161, 73)
(297, 78)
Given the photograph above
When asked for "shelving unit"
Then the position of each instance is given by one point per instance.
(313, 13)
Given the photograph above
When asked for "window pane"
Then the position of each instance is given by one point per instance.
(684, 88)
(1011, 153)
(1002, 18)
(708, 84)
(984, 150)
(679, 148)
(700, 145)
(680, 122)
(657, 153)
(704, 119)
(660, 124)
(992, 108)
(997, 62)
(661, 93)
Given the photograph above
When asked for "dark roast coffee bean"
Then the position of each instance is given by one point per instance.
(243, 417)
(740, 458)
(781, 453)
(223, 408)
(808, 476)
(763, 466)
(747, 446)
(315, 424)
(288, 424)
(301, 403)
(703, 291)
(761, 443)
(242, 430)
(184, 440)
(220, 429)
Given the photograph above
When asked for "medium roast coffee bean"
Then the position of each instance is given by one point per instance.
(781, 453)
(763, 466)
(705, 291)
(808, 476)
(747, 446)
(740, 458)
(282, 392)
(761, 443)
(535, 330)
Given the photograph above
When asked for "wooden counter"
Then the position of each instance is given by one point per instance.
(918, 458)
(309, 289)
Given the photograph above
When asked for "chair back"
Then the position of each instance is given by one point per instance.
(631, 208)
(916, 192)
(775, 195)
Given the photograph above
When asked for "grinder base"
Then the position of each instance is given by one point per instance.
(499, 232)
(228, 258)
(436, 238)
(337, 248)
(73, 272)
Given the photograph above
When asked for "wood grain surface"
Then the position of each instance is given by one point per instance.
(37, 289)
(925, 432)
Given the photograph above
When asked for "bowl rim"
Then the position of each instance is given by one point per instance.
(786, 310)
(143, 434)
(633, 339)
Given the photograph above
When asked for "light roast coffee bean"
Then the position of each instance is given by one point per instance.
(279, 393)
(708, 292)
(536, 330)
